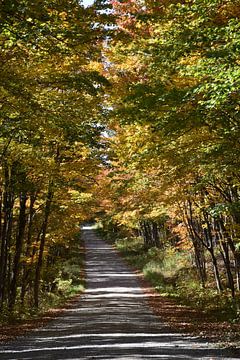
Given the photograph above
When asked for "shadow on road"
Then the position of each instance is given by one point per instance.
(111, 321)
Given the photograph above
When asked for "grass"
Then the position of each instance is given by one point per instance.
(68, 278)
(173, 275)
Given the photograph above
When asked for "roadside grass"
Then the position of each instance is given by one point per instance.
(171, 272)
(60, 285)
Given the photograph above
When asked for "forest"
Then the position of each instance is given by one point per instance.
(125, 113)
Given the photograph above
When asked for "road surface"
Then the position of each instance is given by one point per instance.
(112, 320)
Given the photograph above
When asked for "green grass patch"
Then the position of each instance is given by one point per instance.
(59, 283)
(172, 273)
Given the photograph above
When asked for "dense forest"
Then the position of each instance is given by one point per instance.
(50, 96)
(126, 112)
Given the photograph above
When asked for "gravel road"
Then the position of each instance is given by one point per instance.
(112, 320)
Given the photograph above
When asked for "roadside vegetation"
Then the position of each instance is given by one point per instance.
(50, 109)
(172, 271)
(172, 180)
(130, 116)
(61, 282)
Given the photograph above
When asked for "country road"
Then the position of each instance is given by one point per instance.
(112, 320)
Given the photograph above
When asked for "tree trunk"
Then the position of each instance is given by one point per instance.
(200, 261)
(235, 252)
(27, 269)
(216, 271)
(18, 251)
(198, 243)
(42, 244)
(226, 259)
(155, 234)
(1, 203)
(145, 234)
(6, 231)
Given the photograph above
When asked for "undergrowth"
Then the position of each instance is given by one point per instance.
(55, 289)
(173, 275)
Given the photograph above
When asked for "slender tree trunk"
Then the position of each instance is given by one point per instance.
(148, 234)
(1, 203)
(42, 245)
(234, 250)
(198, 243)
(216, 271)
(8, 203)
(224, 250)
(226, 259)
(211, 246)
(155, 234)
(200, 260)
(235, 198)
(27, 269)
(145, 234)
(18, 251)
(237, 269)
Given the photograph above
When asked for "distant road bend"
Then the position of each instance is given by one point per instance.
(112, 320)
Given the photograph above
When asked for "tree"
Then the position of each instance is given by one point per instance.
(51, 94)
(175, 68)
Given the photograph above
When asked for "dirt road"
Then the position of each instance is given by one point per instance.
(112, 320)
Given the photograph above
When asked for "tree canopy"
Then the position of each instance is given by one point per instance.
(127, 111)
(175, 119)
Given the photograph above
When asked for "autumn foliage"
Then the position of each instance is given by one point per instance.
(50, 96)
(174, 155)
(126, 112)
